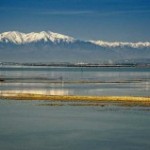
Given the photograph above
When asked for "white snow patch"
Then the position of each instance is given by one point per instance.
(22, 38)
(122, 44)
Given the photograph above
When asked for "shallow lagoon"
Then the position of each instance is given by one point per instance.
(36, 125)
(116, 81)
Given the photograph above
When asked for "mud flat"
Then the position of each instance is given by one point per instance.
(123, 100)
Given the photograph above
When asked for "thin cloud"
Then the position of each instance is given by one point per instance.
(65, 12)
(92, 12)
(120, 12)
(48, 12)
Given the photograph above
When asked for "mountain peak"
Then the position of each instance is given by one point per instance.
(50, 46)
(19, 38)
(22, 38)
(12, 36)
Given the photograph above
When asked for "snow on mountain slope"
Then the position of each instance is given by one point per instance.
(22, 38)
(16, 37)
(122, 44)
(49, 46)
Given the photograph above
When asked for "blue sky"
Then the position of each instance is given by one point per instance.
(110, 20)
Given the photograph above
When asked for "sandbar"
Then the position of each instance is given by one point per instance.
(127, 100)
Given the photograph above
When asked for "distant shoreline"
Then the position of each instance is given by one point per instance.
(3, 64)
(126, 100)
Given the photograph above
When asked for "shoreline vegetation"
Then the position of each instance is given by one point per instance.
(59, 81)
(80, 64)
(122, 100)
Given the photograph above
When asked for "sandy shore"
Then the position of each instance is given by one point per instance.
(129, 100)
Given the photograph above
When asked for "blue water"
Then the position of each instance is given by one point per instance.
(35, 125)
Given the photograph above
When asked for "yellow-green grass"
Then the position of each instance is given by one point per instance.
(125, 100)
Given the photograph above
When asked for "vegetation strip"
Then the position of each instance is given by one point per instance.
(120, 99)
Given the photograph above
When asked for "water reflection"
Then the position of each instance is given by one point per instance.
(147, 86)
(73, 81)
(45, 92)
(116, 89)
(28, 125)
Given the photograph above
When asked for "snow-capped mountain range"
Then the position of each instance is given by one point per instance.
(22, 38)
(50, 46)
(122, 44)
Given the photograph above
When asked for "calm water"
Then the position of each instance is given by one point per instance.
(35, 125)
(48, 125)
(76, 81)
